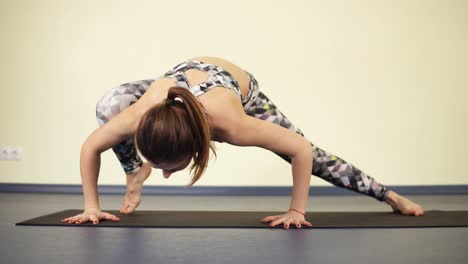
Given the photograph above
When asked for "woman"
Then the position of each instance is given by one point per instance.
(174, 118)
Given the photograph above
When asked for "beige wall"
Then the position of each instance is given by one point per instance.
(381, 84)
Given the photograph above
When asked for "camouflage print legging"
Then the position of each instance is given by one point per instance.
(325, 165)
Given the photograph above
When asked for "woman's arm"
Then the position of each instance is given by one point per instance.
(301, 170)
(250, 131)
(237, 128)
(103, 138)
(108, 135)
(90, 161)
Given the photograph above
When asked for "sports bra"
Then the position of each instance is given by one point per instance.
(217, 77)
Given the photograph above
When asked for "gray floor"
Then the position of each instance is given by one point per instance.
(32, 244)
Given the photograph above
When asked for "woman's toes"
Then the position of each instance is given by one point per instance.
(420, 211)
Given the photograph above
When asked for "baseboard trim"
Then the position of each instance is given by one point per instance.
(227, 190)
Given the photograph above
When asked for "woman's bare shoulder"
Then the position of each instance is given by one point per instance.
(155, 94)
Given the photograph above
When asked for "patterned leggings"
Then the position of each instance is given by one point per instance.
(325, 165)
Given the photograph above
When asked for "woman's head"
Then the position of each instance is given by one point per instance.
(172, 133)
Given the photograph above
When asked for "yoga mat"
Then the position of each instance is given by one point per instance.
(235, 219)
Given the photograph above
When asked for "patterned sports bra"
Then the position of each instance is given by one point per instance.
(217, 77)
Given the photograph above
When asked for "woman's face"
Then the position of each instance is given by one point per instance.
(170, 167)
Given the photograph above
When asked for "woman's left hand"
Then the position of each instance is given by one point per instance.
(288, 218)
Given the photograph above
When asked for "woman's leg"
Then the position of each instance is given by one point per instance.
(325, 165)
(112, 103)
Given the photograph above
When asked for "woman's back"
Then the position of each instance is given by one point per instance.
(237, 72)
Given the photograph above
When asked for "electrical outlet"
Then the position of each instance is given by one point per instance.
(16, 153)
(3, 153)
(11, 153)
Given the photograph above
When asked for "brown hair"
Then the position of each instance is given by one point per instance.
(172, 131)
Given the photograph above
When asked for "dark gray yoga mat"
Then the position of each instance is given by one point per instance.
(234, 219)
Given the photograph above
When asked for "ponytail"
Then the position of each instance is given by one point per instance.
(176, 129)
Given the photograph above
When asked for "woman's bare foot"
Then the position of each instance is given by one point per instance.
(403, 205)
(134, 185)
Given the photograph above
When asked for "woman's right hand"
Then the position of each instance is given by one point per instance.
(91, 215)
